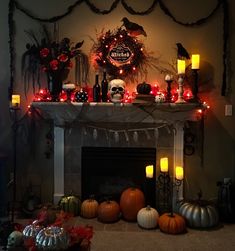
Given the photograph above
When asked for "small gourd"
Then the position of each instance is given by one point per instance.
(70, 204)
(108, 211)
(143, 88)
(172, 223)
(147, 217)
(89, 208)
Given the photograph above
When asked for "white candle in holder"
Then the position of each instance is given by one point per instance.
(195, 61)
(181, 66)
(164, 165)
(179, 173)
(149, 171)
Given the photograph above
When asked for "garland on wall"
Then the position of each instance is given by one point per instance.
(14, 4)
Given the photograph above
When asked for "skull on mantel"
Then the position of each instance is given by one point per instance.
(117, 90)
(15, 239)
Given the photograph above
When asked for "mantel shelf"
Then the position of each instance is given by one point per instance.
(62, 113)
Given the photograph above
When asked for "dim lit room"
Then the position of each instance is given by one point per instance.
(117, 125)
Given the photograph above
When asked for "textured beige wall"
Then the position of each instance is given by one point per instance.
(163, 33)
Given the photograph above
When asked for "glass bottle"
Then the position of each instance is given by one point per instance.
(96, 89)
(104, 88)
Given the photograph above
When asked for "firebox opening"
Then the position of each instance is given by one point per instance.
(107, 171)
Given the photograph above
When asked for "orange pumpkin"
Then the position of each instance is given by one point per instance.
(131, 201)
(108, 211)
(89, 208)
(172, 223)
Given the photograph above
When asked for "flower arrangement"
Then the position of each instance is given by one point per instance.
(53, 58)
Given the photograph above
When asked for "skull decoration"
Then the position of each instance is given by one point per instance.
(117, 90)
(15, 239)
(159, 98)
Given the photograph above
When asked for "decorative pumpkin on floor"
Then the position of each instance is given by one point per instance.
(131, 201)
(52, 238)
(89, 208)
(199, 213)
(147, 217)
(70, 204)
(172, 223)
(108, 211)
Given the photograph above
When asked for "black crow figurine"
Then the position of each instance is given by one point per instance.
(182, 52)
(132, 28)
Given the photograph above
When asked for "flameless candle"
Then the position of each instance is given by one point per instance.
(195, 61)
(179, 172)
(15, 100)
(149, 171)
(164, 165)
(181, 66)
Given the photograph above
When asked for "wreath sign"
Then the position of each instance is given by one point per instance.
(120, 55)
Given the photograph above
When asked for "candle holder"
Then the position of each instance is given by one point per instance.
(166, 187)
(195, 98)
(180, 99)
(168, 94)
(15, 125)
(68, 88)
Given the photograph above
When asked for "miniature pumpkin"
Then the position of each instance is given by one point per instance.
(70, 204)
(52, 238)
(143, 88)
(172, 223)
(147, 217)
(89, 208)
(199, 213)
(108, 211)
(131, 201)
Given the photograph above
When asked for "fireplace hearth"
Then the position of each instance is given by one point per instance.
(79, 125)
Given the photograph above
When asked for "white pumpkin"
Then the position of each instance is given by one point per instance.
(147, 217)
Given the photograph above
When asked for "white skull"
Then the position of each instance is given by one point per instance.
(117, 90)
(159, 98)
(15, 239)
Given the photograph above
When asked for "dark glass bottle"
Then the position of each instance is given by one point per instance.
(96, 89)
(104, 88)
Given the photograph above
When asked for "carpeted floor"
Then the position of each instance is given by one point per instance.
(124, 236)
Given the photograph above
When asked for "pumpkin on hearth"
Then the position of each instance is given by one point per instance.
(172, 223)
(89, 208)
(70, 204)
(199, 213)
(108, 211)
(143, 88)
(147, 217)
(131, 201)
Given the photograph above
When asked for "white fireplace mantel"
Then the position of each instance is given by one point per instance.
(65, 114)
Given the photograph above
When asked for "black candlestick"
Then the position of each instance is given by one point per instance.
(168, 94)
(15, 110)
(195, 98)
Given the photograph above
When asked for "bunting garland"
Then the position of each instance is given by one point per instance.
(14, 4)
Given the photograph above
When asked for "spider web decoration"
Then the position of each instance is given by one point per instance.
(121, 55)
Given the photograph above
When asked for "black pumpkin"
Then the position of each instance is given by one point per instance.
(144, 88)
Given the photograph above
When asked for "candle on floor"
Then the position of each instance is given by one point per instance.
(164, 165)
(179, 173)
(149, 171)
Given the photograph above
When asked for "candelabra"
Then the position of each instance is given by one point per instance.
(168, 94)
(165, 187)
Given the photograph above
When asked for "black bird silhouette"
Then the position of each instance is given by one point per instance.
(79, 44)
(132, 28)
(182, 52)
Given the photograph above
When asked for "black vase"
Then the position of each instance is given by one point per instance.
(56, 79)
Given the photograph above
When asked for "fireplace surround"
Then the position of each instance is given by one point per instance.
(78, 125)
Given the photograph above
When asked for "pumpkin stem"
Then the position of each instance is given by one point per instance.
(148, 207)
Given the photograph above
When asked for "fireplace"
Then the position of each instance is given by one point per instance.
(157, 126)
(107, 171)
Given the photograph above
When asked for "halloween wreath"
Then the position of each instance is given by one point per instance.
(122, 55)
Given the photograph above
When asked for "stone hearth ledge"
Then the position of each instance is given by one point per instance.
(72, 114)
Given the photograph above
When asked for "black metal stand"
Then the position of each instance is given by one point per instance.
(14, 110)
